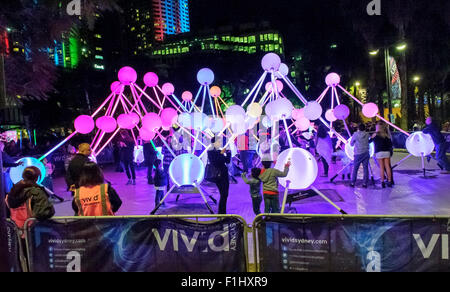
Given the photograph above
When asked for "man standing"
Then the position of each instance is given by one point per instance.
(441, 144)
(360, 141)
(76, 166)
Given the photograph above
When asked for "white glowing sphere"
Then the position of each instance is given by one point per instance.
(341, 112)
(216, 125)
(168, 89)
(151, 122)
(151, 79)
(146, 134)
(184, 120)
(254, 110)
(419, 144)
(187, 96)
(15, 173)
(271, 62)
(106, 124)
(199, 121)
(313, 111)
(350, 150)
(235, 114)
(333, 79)
(370, 110)
(280, 109)
(302, 124)
(329, 115)
(297, 114)
(127, 75)
(283, 71)
(187, 170)
(280, 86)
(304, 169)
(239, 128)
(205, 76)
(266, 122)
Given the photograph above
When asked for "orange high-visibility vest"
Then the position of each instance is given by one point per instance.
(22, 214)
(93, 202)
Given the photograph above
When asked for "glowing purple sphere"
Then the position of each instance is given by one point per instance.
(313, 111)
(135, 119)
(106, 124)
(84, 124)
(271, 62)
(151, 122)
(297, 114)
(302, 124)
(341, 112)
(187, 96)
(127, 75)
(125, 122)
(370, 110)
(332, 79)
(169, 116)
(146, 134)
(283, 71)
(280, 86)
(168, 89)
(205, 76)
(329, 115)
(151, 79)
(116, 86)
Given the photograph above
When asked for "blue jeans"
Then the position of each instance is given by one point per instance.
(441, 155)
(256, 202)
(364, 160)
(272, 203)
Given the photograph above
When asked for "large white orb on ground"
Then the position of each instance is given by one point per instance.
(419, 144)
(235, 114)
(127, 75)
(187, 170)
(333, 79)
(205, 76)
(370, 110)
(15, 173)
(350, 150)
(271, 62)
(313, 111)
(280, 109)
(304, 169)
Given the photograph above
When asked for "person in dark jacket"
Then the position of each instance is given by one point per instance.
(219, 161)
(440, 143)
(383, 147)
(161, 181)
(76, 166)
(126, 145)
(150, 156)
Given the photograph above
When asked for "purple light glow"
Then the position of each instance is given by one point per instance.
(84, 124)
(341, 112)
(106, 124)
(302, 124)
(151, 79)
(127, 75)
(205, 76)
(332, 79)
(313, 111)
(271, 62)
(280, 86)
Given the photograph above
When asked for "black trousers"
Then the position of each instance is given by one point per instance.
(223, 184)
(150, 162)
(129, 166)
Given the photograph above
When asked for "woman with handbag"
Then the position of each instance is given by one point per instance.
(218, 171)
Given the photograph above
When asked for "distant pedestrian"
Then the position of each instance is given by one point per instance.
(383, 147)
(440, 143)
(360, 141)
(161, 181)
(126, 145)
(255, 189)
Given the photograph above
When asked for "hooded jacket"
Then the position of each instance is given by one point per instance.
(269, 177)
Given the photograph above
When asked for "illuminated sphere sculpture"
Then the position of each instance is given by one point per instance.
(254, 110)
(15, 173)
(350, 150)
(151, 79)
(329, 115)
(235, 114)
(187, 170)
(127, 75)
(169, 116)
(266, 122)
(199, 121)
(84, 124)
(168, 89)
(106, 124)
(341, 112)
(283, 71)
(297, 114)
(184, 120)
(271, 62)
(151, 122)
(187, 96)
(215, 91)
(146, 134)
(313, 111)
(135, 118)
(280, 86)
(280, 109)
(304, 169)
(370, 110)
(216, 125)
(205, 76)
(333, 79)
(116, 86)
(125, 121)
(419, 144)
(302, 124)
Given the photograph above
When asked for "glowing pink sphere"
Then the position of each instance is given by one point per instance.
(127, 75)
(313, 111)
(106, 124)
(146, 134)
(116, 86)
(135, 119)
(205, 76)
(332, 79)
(169, 116)
(341, 112)
(370, 110)
(151, 122)
(271, 62)
(187, 96)
(215, 91)
(125, 122)
(329, 115)
(168, 89)
(84, 124)
(302, 124)
(297, 114)
(280, 86)
(151, 79)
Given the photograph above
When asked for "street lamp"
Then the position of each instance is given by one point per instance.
(416, 79)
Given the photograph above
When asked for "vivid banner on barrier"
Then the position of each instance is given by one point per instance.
(137, 245)
(353, 244)
(13, 247)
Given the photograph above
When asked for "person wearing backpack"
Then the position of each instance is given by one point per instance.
(29, 200)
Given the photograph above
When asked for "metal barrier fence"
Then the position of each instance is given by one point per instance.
(138, 244)
(323, 243)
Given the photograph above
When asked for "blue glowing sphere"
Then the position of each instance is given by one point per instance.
(187, 170)
(205, 76)
(15, 173)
